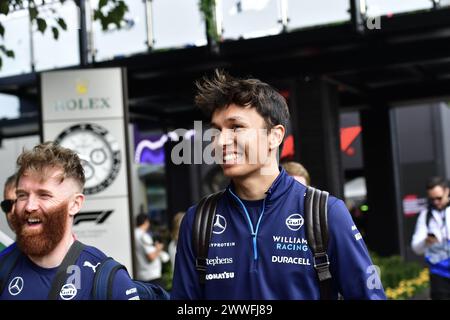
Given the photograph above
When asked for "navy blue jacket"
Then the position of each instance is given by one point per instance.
(29, 281)
(273, 261)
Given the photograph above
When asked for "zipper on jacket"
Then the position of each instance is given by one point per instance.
(254, 233)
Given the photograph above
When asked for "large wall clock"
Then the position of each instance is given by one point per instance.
(99, 152)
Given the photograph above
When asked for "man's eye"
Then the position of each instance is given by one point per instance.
(237, 127)
(45, 196)
(21, 196)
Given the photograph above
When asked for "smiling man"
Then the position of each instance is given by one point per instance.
(258, 248)
(49, 183)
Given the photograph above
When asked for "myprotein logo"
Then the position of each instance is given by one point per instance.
(295, 221)
(95, 216)
(222, 244)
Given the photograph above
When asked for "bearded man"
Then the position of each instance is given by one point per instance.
(49, 185)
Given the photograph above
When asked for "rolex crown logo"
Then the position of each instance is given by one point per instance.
(81, 87)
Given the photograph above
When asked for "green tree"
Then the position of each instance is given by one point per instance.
(108, 12)
(207, 8)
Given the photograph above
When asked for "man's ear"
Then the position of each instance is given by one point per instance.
(76, 204)
(276, 136)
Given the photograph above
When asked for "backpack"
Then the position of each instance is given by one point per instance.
(316, 224)
(429, 216)
(103, 279)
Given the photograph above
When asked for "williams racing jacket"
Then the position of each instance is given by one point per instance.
(270, 258)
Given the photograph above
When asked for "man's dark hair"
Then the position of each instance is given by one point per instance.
(141, 218)
(221, 90)
(435, 182)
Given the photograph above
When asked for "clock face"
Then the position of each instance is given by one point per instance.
(99, 153)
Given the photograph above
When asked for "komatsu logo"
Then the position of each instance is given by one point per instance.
(220, 276)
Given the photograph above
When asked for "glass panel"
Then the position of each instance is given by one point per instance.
(444, 3)
(129, 40)
(249, 18)
(47, 50)
(177, 28)
(386, 7)
(17, 38)
(10, 106)
(306, 13)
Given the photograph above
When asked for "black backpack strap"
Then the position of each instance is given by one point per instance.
(61, 274)
(202, 230)
(7, 263)
(429, 216)
(102, 288)
(317, 233)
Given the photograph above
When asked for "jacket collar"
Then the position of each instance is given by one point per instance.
(282, 183)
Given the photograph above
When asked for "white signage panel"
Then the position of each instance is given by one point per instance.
(84, 110)
(82, 94)
(104, 223)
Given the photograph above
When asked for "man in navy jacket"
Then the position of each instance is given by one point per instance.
(49, 185)
(255, 251)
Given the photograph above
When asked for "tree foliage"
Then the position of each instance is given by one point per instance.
(207, 8)
(108, 13)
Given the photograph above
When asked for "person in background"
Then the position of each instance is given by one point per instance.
(150, 254)
(9, 198)
(297, 171)
(431, 237)
(7, 205)
(176, 222)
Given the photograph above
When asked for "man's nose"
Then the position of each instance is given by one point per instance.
(225, 137)
(31, 204)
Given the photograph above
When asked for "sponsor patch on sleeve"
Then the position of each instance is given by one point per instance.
(131, 291)
(356, 233)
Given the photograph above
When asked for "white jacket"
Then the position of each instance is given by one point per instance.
(436, 226)
(147, 270)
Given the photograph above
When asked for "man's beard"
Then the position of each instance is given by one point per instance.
(39, 243)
